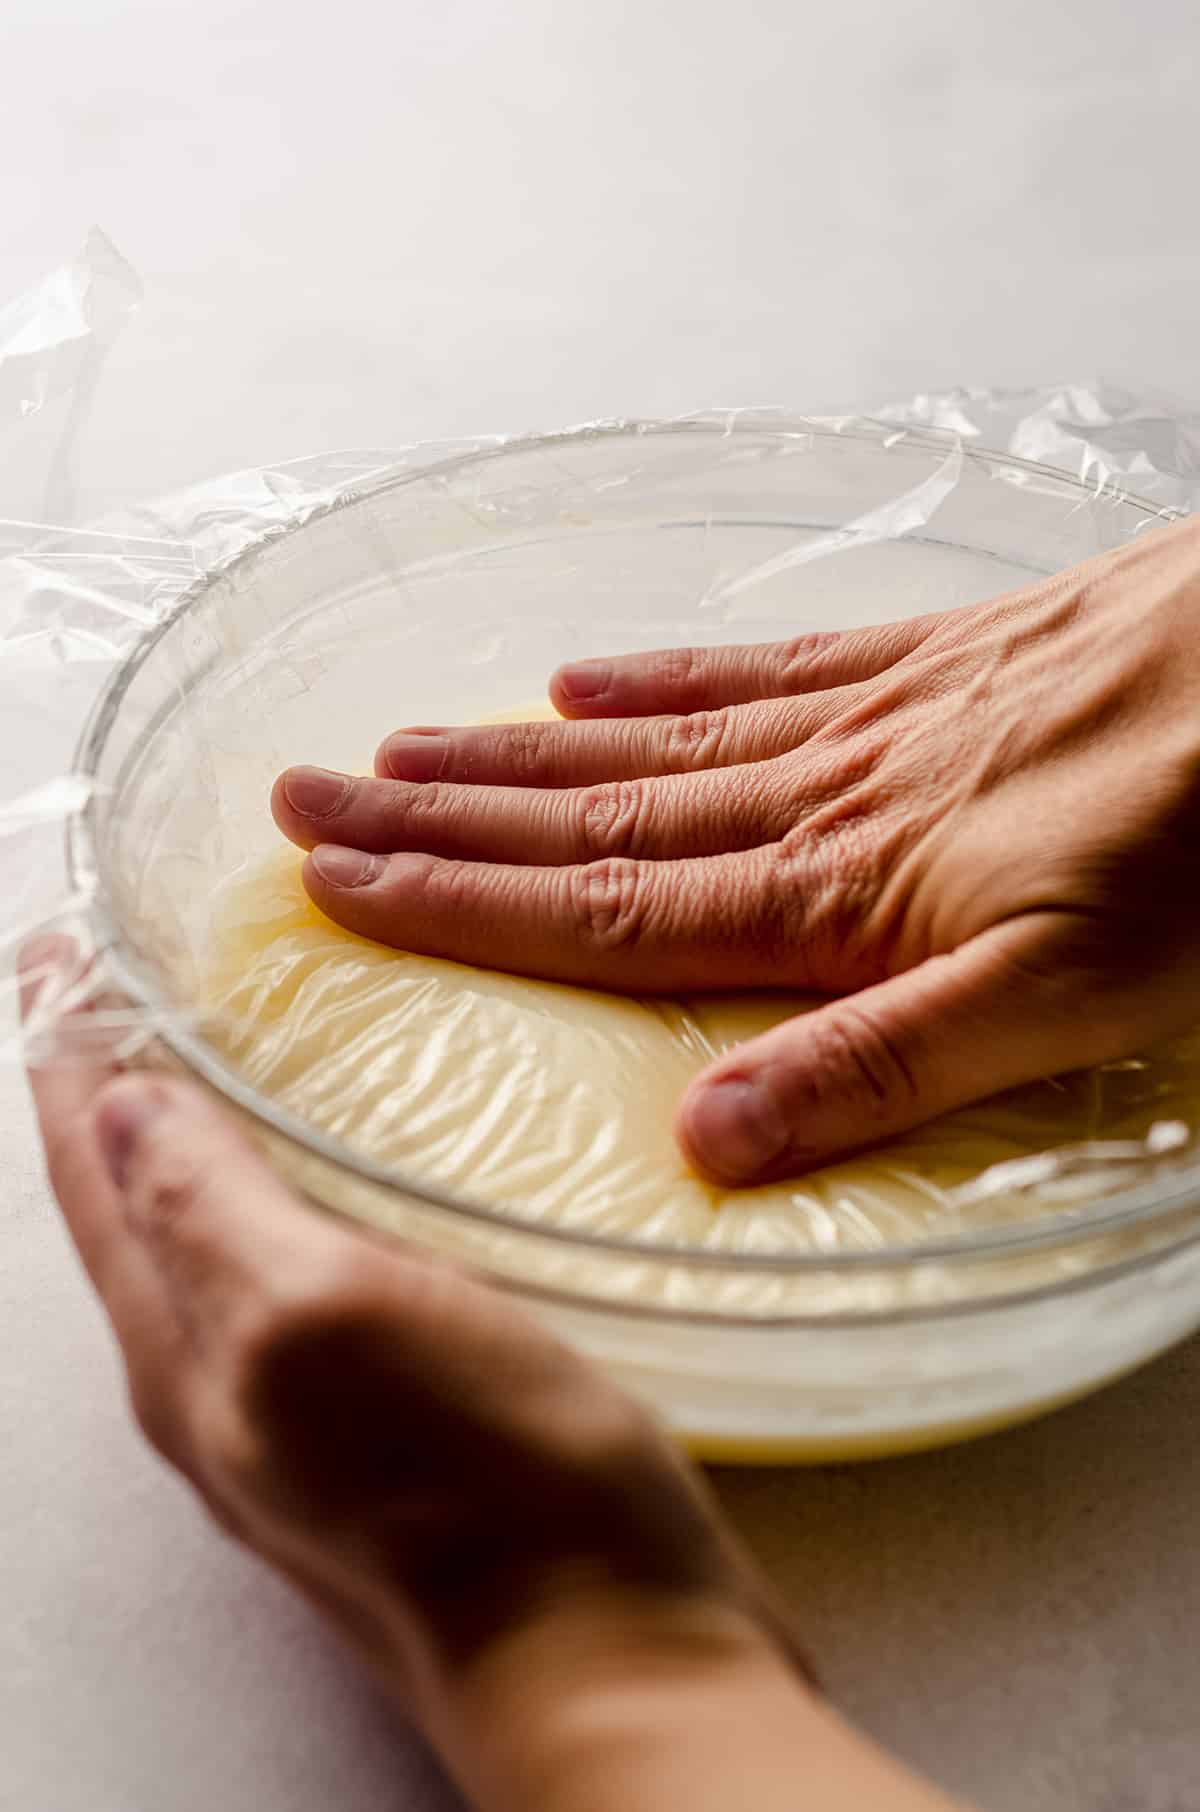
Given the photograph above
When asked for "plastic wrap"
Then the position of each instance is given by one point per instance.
(110, 633)
(1103, 434)
(53, 345)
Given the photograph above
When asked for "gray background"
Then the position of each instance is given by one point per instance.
(367, 225)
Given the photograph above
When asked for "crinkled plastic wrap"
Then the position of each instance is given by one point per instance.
(158, 668)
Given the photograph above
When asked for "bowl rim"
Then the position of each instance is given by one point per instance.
(1141, 1206)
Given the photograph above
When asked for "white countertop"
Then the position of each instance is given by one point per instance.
(369, 225)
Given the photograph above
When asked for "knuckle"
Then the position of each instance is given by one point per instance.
(443, 883)
(800, 653)
(857, 1056)
(522, 749)
(166, 1172)
(756, 801)
(774, 913)
(611, 818)
(609, 903)
(164, 1188)
(837, 842)
(679, 668)
(699, 739)
(833, 865)
(422, 803)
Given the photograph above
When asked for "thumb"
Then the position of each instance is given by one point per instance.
(998, 1011)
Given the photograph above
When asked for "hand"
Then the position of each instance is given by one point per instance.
(517, 1552)
(981, 828)
(523, 1559)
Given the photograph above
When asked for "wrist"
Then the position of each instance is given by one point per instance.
(616, 1699)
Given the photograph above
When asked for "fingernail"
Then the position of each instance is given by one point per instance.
(346, 867)
(124, 1114)
(584, 680)
(410, 755)
(735, 1128)
(314, 791)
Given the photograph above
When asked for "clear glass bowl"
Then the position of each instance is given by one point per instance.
(451, 593)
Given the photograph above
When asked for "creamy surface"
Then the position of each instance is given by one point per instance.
(558, 1101)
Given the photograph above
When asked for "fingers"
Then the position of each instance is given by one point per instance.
(632, 926)
(699, 679)
(668, 816)
(550, 754)
(312, 1378)
(237, 1252)
(66, 1090)
(206, 1261)
(219, 1223)
(64, 1087)
(877, 1063)
(130, 1156)
(194, 1245)
(125, 1152)
(254, 1275)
